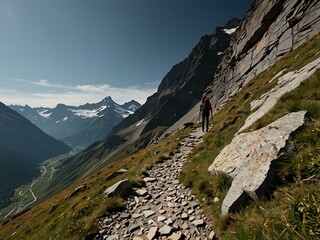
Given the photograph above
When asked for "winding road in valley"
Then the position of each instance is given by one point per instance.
(32, 193)
(45, 170)
(19, 207)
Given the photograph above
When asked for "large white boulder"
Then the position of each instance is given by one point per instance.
(122, 188)
(248, 159)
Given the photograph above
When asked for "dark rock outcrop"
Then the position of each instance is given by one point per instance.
(54, 207)
(76, 191)
(183, 85)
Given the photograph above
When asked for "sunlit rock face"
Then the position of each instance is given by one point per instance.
(249, 157)
(269, 30)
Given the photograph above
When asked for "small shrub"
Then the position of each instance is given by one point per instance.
(206, 188)
(160, 161)
(305, 213)
(115, 204)
(163, 158)
(137, 182)
(222, 182)
(246, 96)
(313, 107)
(219, 142)
(189, 183)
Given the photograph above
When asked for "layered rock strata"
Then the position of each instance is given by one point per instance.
(269, 30)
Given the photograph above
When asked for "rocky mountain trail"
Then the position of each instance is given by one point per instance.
(164, 208)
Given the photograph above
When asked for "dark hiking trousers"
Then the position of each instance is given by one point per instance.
(205, 120)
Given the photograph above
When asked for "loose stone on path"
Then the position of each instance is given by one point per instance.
(164, 208)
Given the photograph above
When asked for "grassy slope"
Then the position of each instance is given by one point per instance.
(292, 210)
(299, 173)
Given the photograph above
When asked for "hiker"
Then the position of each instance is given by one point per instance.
(206, 109)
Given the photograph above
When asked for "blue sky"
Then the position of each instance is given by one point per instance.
(78, 51)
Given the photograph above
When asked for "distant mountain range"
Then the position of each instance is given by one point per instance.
(22, 147)
(78, 126)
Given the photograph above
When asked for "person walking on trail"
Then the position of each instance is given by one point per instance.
(206, 109)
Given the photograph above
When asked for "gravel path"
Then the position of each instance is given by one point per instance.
(164, 209)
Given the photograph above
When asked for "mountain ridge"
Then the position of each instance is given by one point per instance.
(79, 126)
(177, 93)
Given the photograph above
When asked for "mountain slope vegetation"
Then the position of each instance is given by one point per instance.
(283, 215)
(266, 46)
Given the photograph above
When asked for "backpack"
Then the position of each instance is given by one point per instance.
(206, 106)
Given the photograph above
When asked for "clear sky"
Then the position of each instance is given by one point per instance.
(79, 51)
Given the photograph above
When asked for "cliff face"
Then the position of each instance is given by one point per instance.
(183, 85)
(269, 30)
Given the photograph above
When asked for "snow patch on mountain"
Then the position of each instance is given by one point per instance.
(79, 125)
(44, 113)
(86, 113)
(124, 113)
(229, 31)
(139, 123)
(133, 107)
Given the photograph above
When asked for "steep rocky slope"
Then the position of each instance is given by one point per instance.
(258, 42)
(182, 87)
(269, 31)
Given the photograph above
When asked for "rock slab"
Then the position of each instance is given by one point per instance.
(248, 159)
(122, 188)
